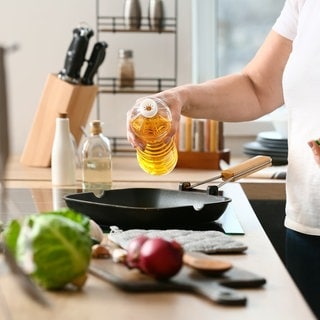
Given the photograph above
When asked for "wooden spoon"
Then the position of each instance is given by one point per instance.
(205, 263)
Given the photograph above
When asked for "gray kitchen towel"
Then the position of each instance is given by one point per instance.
(203, 241)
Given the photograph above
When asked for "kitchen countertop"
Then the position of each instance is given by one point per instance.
(277, 299)
(259, 186)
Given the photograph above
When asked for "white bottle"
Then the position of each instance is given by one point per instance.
(63, 164)
(96, 160)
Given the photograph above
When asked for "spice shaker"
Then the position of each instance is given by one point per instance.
(156, 15)
(126, 69)
(132, 14)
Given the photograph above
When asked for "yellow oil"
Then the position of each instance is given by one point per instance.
(159, 156)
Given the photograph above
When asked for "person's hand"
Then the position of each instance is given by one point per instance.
(132, 138)
(171, 99)
(315, 147)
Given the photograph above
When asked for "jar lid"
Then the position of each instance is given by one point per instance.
(125, 53)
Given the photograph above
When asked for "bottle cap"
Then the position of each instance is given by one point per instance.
(148, 108)
(125, 53)
(96, 127)
(63, 115)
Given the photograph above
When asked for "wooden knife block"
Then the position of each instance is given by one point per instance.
(57, 97)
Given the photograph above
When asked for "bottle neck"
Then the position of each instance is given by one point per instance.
(96, 128)
(62, 125)
(95, 133)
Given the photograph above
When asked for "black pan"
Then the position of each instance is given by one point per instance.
(161, 208)
(149, 208)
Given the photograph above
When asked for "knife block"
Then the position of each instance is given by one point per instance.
(58, 96)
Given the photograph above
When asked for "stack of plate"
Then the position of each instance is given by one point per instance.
(271, 144)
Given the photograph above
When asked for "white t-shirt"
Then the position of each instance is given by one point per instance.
(300, 21)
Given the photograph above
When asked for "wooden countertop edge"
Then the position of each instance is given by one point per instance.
(125, 169)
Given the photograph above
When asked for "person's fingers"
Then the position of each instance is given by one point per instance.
(171, 101)
(315, 147)
(135, 141)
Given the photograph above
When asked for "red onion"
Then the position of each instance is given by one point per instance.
(134, 251)
(160, 258)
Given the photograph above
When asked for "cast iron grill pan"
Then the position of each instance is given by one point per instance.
(162, 208)
(149, 208)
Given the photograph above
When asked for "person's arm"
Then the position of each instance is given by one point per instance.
(255, 91)
(245, 96)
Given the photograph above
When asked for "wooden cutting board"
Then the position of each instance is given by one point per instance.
(218, 289)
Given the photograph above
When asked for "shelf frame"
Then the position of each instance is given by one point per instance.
(115, 24)
(141, 85)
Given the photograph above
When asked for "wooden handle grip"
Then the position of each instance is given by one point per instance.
(246, 168)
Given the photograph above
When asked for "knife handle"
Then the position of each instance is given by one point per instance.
(97, 57)
(76, 54)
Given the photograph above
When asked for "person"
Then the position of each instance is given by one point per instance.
(284, 71)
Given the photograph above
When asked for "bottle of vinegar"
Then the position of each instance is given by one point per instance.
(96, 160)
(151, 122)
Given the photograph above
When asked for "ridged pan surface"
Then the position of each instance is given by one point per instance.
(149, 208)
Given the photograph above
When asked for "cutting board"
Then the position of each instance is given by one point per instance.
(219, 289)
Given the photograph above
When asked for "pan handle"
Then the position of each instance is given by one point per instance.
(246, 168)
(234, 173)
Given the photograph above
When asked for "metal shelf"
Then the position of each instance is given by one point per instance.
(116, 24)
(141, 85)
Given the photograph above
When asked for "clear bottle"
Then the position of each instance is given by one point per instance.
(126, 69)
(96, 160)
(63, 162)
(151, 122)
(132, 14)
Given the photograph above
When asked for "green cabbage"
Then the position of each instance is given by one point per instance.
(54, 247)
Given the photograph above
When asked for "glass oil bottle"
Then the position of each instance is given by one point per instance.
(96, 158)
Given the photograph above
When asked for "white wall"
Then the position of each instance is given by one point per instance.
(43, 31)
